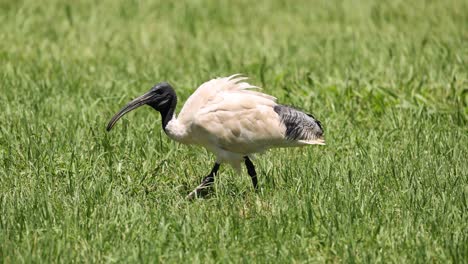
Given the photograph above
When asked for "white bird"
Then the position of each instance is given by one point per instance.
(228, 118)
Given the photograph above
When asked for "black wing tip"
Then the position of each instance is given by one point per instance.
(278, 109)
(319, 124)
(291, 118)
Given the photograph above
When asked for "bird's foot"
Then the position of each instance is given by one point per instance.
(201, 189)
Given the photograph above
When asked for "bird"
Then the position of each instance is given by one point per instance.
(230, 118)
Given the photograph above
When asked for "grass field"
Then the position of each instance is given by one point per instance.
(388, 80)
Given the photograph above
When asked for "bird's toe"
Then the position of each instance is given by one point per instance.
(201, 191)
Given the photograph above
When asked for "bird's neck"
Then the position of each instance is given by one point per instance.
(177, 131)
(167, 113)
(172, 127)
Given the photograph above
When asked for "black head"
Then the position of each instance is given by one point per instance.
(161, 97)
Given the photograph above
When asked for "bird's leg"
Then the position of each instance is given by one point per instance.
(251, 171)
(206, 182)
(209, 179)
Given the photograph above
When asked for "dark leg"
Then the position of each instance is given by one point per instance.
(206, 182)
(251, 171)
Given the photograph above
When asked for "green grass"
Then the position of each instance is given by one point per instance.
(388, 80)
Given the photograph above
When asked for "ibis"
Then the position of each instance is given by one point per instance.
(231, 119)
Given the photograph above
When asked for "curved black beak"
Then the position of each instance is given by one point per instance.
(137, 102)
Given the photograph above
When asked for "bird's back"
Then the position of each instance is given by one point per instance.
(210, 92)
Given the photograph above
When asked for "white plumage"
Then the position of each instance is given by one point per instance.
(225, 116)
(230, 119)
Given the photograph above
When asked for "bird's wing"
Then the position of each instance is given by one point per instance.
(239, 121)
(209, 93)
